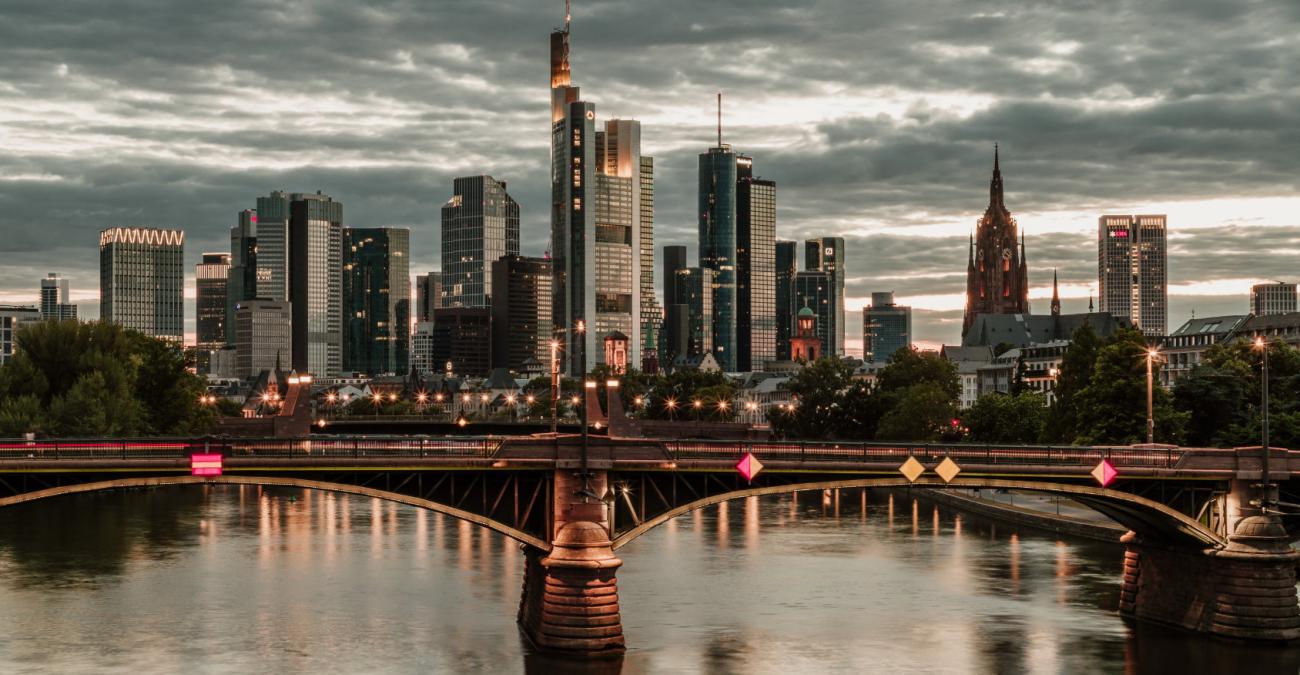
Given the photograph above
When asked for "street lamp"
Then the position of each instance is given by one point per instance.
(1262, 345)
(1152, 355)
(671, 405)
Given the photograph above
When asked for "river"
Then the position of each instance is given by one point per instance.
(252, 580)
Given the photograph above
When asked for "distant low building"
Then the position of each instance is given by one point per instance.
(1185, 348)
(1274, 327)
(1020, 330)
(13, 317)
(968, 361)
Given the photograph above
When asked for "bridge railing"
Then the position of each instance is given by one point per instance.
(1065, 456)
(369, 446)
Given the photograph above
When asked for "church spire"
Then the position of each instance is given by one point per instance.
(995, 186)
(1056, 296)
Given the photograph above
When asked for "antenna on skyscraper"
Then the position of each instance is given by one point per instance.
(719, 119)
(568, 15)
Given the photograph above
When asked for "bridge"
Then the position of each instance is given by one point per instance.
(1200, 552)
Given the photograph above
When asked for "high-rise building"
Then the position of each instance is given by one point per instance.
(211, 332)
(271, 232)
(787, 257)
(814, 291)
(241, 281)
(886, 327)
(826, 254)
(521, 311)
(717, 212)
(675, 339)
(1265, 299)
(652, 315)
(428, 295)
(694, 293)
(462, 340)
(263, 336)
(12, 318)
(422, 348)
(315, 282)
(1132, 270)
(142, 280)
(755, 268)
(56, 302)
(600, 203)
(997, 276)
(376, 300)
(480, 223)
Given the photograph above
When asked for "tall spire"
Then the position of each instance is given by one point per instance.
(995, 186)
(568, 15)
(1056, 296)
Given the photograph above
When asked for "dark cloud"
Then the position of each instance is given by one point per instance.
(145, 112)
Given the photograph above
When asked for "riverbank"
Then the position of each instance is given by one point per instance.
(1067, 523)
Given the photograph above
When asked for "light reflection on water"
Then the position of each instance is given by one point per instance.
(243, 579)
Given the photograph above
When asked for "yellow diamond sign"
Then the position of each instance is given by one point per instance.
(912, 469)
(947, 469)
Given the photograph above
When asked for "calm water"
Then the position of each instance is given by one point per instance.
(241, 580)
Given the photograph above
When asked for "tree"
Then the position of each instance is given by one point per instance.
(911, 367)
(922, 412)
(1112, 408)
(20, 415)
(1075, 374)
(1003, 418)
(818, 392)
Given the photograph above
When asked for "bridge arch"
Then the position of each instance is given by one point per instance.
(1142, 515)
(278, 481)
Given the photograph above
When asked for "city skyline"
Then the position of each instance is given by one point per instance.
(116, 133)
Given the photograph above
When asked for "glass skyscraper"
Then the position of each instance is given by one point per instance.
(886, 328)
(142, 280)
(755, 269)
(376, 300)
(826, 254)
(815, 291)
(315, 282)
(211, 331)
(717, 228)
(787, 260)
(521, 312)
(241, 281)
(271, 229)
(480, 223)
(56, 303)
(694, 292)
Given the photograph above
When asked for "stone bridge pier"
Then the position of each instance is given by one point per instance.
(570, 595)
(1246, 590)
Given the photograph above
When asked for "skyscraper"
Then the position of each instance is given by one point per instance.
(428, 295)
(480, 223)
(694, 293)
(755, 268)
(814, 291)
(315, 282)
(599, 206)
(997, 277)
(142, 280)
(886, 327)
(675, 339)
(826, 254)
(56, 302)
(241, 282)
(1265, 299)
(263, 336)
(211, 332)
(787, 257)
(717, 212)
(271, 230)
(1131, 270)
(652, 314)
(521, 311)
(376, 300)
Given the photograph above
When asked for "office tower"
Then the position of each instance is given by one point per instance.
(12, 318)
(652, 315)
(480, 223)
(886, 328)
(462, 340)
(428, 294)
(787, 256)
(212, 276)
(263, 336)
(694, 293)
(271, 229)
(1266, 299)
(675, 338)
(1132, 272)
(997, 277)
(376, 300)
(826, 254)
(142, 280)
(717, 210)
(814, 291)
(56, 302)
(600, 202)
(521, 311)
(422, 348)
(755, 268)
(315, 282)
(241, 280)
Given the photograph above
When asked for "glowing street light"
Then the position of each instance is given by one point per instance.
(1152, 355)
(1262, 345)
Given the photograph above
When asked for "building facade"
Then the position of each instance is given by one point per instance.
(462, 340)
(756, 318)
(1185, 348)
(241, 280)
(652, 313)
(272, 239)
(717, 245)
(1132, 272)
(211, 280)
(1275, 298)
(997, 275)
(813, 291)
(826, 255)
(428, 295)
(377, 300)
(787, 260)
(12, 318)
(263, 336)
(480, 223)
(315, 283)
(142, 280)
(694, 297)
(674, 339)
(886, 327)
(521, 311)
(56, 300)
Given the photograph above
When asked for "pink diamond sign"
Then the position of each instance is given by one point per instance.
(1105, 473)
(205, 465)
(749, 466)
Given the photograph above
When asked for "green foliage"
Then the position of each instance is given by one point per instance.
(95, 379)
(921, 412)
(1076, 370)
(1222, 397)
(1112, 408)
(671, 396)
(911, 367)
(1002, 418)
(819, 392)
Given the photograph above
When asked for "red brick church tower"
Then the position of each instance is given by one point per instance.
(997, 278)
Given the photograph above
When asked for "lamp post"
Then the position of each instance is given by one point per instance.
(555, 383)
(1151, 422)
(1262, 345)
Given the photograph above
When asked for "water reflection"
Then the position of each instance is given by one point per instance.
(253, 579)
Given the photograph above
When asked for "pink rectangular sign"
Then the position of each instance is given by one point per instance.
(205, 465)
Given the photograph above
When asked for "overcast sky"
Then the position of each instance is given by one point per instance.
(876, 118)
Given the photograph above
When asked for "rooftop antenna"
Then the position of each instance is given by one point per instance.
(568, 15)
(719, 119)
